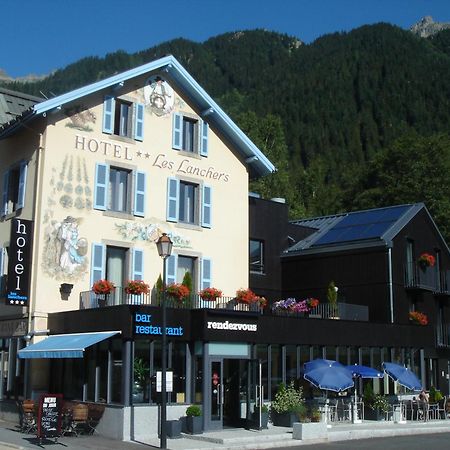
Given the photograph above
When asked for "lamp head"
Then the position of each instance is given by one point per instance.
(164, 246)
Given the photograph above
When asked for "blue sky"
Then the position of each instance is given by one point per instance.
(39, 36)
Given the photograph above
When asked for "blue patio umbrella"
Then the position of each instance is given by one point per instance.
(359, 371)
(403, 376)
(331, 377)
(314, 364)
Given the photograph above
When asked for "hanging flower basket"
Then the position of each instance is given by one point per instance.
(177, 291)
(103, 287)
(426, 260)
(210, 294)
(418, 318)
(137, 287)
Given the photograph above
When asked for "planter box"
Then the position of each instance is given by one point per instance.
(284, 419)
(374, 414)
(173, 429)
(194, 424)
(312, 430)
(264, 419)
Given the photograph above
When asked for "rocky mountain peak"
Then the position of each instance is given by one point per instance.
(426, 27)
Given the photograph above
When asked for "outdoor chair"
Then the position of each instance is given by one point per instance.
(345, 410)
(95, 414)
(28, 416)
(440, 411)
(80, 418)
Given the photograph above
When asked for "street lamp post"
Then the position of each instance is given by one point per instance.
(164, 246)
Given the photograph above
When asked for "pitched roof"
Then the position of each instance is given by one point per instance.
(373, 227)
(176, 74)
(13, 104)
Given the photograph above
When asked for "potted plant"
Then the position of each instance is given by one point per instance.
(102, 288)
(310, 426)
(287, 405)
(210, 294)
(418, 318)
(137, 287)
(177, 291)
(426, 260)
(332, 296)
(140, 371)
(194, 422)
(264, 415)
(377, 408)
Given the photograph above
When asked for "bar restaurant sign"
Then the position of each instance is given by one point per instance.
(19, 263)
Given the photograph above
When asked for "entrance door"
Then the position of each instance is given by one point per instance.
(234, 393)
(216, 395)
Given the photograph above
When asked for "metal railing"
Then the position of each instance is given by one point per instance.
(418, 277)
(89, 299)
(342, 311)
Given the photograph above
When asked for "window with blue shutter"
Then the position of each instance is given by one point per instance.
(139, 122)
(206, 273)
(172, 199)
(100, 191)
(137, 272)
(108, 114)
(22, 185)
(177, 131)
(206, 207)
(98, 262)
(203, 138)
(139, 194)
(171, 269)
(5, 193)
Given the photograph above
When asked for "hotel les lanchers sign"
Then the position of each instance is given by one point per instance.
(19, 262)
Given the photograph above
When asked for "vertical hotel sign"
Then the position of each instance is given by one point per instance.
(19, 257)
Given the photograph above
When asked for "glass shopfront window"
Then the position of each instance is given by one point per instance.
(276, 368)
(141, 372)
(178, 366)
(262, 354)
(291, 363)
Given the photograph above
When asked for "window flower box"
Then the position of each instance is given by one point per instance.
(177, 291)
(418, 318)
(426, 260)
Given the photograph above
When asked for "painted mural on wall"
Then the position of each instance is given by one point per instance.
(70, 185)
(150, 232)
(80, 118)
(64, 250)
(159, 96)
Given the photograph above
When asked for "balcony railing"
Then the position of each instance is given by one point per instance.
(342, 311)
(89, 300)
(417, 277)
(443, 335)
(444, 282)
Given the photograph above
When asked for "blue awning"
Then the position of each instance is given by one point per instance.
(64, 345)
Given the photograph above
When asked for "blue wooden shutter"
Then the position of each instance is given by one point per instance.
(206, 206)
(206, 273)
(171, 269)
(177, 131)
(173, 189)
(5, 193)
(98, 262)
(139, 122)
(22, 185)
(101, 182)
(108, 114)
(139, 194)
(137, 271)
(203, 138)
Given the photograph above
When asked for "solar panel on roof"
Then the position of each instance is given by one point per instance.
(362, 226)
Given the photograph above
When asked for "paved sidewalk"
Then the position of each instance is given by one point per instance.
(229, 439)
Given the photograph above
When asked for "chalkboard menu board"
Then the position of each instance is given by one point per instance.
(49, 418)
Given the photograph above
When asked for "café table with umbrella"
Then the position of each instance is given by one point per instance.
(328, 375)
(360, 371)
(403, 376)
